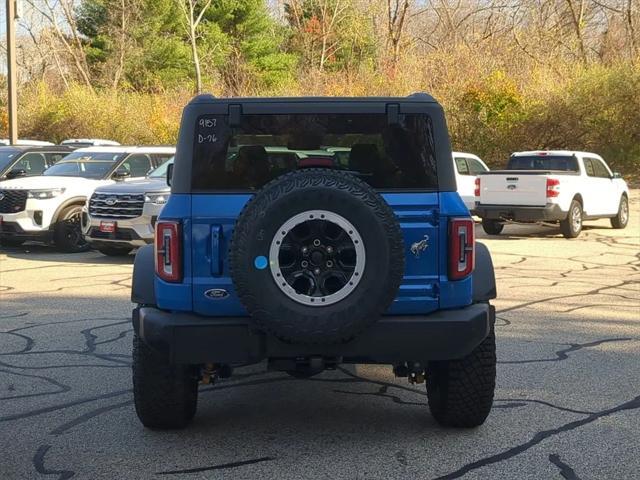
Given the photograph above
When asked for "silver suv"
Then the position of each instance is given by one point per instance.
(121, 217)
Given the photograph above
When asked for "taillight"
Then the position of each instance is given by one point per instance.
(476, 192)
(553, 187)
(169, 251)
(461, 248)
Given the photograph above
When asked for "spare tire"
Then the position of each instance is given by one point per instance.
(316, 256)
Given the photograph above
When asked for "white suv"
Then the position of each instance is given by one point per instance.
(49, 207)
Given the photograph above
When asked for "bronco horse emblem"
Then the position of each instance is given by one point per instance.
(418, 247)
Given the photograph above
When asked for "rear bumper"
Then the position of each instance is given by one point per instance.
(188, 338)
(551, 212)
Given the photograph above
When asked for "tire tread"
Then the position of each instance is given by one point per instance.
(460, 392)
(165, 395)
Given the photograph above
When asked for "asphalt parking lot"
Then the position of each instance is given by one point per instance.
(567, 401)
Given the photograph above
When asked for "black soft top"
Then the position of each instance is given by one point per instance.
(415, 97)
(235, 107)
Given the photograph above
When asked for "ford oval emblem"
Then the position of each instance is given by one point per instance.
(216, 293)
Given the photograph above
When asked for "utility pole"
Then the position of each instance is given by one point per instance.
(11, 72)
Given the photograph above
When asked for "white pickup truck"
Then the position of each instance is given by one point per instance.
(558, 186)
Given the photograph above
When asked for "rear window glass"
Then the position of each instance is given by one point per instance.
(543, 162)
(262, 147)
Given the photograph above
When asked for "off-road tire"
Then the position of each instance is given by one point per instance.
(165, 395)
(67, 232)
(11, 242)
(621, 219)
(115, 251)
(460, 392)
(492, 227)
(572, 225)
(317, 189)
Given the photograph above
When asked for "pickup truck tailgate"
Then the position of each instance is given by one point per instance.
(513, 188)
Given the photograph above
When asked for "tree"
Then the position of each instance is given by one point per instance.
(396, 23)
(249, 46)
(193, 11)
(329, 32)
(139, 44)
(59, 16)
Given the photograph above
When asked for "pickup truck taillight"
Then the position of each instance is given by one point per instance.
(168, 248)
(476, 192)
(553, 187)
(461, 248)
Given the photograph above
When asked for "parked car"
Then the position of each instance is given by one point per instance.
(89, 142)
(467, 167)
(122, 216)
(558, 186)
(314, 266)
(25, 142)
(29, 161)
(48, 208)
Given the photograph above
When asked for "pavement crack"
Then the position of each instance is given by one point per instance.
(223, 466)
(63, 406)
(565, 470)
(62, 388)
(38, 462)
(17, 315)
(538, 438)
(542, 402)
(564, 353)
(88, 416)
(381, 393)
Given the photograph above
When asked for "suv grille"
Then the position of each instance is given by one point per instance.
(106, 205)
(13, 201)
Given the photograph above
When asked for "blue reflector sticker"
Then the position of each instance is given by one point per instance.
(261, 262)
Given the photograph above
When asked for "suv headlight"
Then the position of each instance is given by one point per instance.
(45, 193)
(156, 198)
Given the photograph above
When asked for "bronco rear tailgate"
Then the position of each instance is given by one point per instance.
(513, 187)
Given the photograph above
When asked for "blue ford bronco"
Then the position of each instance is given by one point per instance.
(309, 233)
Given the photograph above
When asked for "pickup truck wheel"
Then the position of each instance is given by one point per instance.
(572, 225)
(165, 395)
(317, 256)
(115, 251)
(460, 392)
(68, 235)
(492, 227)
(622, 218)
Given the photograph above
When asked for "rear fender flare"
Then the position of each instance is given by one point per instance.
(143, 290)
(483, 278)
